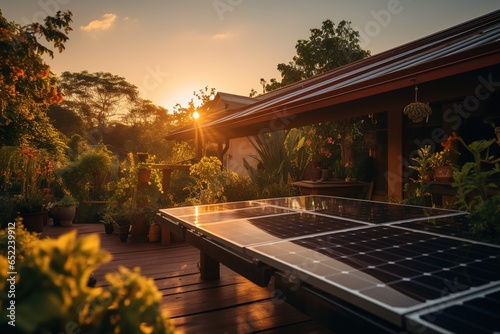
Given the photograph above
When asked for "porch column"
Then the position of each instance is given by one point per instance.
(394, 174)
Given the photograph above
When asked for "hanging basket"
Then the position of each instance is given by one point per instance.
(417, 111)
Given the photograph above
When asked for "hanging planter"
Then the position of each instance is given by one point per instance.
(417, 111)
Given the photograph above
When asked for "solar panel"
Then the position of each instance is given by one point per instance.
(200, 209)
(456, 226)
(245, 232)
(388, 270)
(472, 314)
(361, 210)
(389, 259)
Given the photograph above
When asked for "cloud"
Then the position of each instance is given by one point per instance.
(103, 24)
(221, 36)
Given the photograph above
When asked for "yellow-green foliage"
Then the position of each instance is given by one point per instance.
(51, 293)
(209, 179)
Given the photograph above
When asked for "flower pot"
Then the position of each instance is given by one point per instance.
(143, 157)
(325, 175)
(33, 222)
(315, 174)
(154, 233)
(108, 228)
(67, 214)
(122, 230)
(123, 237)
(144, 175)
(443, 174)
(139, 229)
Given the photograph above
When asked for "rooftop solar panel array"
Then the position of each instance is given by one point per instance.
(397, 262)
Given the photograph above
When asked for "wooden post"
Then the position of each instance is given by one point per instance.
(394, 173)
(209, 267)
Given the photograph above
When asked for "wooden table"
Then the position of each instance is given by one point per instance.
(351, 189)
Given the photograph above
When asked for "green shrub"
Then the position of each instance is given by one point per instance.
(240, 188)
(87, 177)
(51, 292)
(210, 180)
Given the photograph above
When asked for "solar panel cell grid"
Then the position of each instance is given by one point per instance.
(245, 232)
(478, 314)
(406, 265)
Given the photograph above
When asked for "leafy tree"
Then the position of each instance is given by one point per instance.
(96, 97)
(327, 48)
(65, 121)
(183, 116)
(202, 97)
(144, 112)
(27, 85)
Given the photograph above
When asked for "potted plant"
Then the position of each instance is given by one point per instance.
(27, 172)
(417, 111)
(108, 225)
(31, 210)
(154, 232)
(65, 209)
(138, 201)
(441, 161)
(107, 221)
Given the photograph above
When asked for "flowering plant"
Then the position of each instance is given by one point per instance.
(442, 158)
(318, 146)
(27, 172)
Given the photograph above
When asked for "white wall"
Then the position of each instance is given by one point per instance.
(239, 148)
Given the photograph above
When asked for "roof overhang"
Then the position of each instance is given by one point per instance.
(445, 65)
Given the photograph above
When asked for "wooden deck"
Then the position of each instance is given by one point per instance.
(229, 305)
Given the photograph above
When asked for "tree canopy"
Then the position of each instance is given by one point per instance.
(327, 48)
(96, 97)
(27, 85)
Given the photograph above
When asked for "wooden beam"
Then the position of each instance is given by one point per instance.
(394, 174)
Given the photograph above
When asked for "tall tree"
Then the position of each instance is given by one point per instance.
(27, 86)
(144, 112)
(327, 48)
(96, 97)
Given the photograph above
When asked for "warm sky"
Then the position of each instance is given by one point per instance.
(170, 48)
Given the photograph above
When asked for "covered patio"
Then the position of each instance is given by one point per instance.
(457, 72)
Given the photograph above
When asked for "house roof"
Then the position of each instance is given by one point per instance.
(443, 64)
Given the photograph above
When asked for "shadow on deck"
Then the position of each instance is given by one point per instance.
(229, 305)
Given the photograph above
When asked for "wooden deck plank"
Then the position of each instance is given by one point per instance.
(231, 304)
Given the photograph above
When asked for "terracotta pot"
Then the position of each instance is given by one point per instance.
(154, 233)
(144, 175)
(315, 174)
(443, 174)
